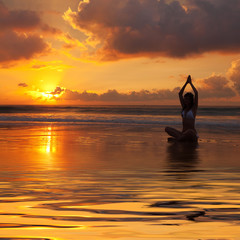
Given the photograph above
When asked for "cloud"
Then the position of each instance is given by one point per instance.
(234, 75)
(22, 85)
(44, 96)
(20, 35)
(216, 86)
(23, 20)
(18, 19)
(212, 88)
(57, 91)
(126, 28)
(115, 96)
(14, 46)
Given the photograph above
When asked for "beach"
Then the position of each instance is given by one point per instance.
(110, 173)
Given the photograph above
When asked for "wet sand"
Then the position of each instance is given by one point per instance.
(93, 182)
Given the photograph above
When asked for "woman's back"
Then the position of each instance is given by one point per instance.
(188, 120)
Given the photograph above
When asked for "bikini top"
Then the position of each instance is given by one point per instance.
(189, 114)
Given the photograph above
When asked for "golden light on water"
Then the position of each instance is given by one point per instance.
(48, 142)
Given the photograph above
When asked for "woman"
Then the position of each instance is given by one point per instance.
(189, 110)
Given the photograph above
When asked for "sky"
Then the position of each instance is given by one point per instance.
(118, 52)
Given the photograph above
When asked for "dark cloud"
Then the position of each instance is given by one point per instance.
(115, 96)
(216, 87)
(213, 88)
(159, 28)
(57, 91)
(50, 30)
(22, 85)
(14, 46)
(20, 35)
(18, 19)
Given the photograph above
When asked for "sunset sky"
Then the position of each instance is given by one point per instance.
(118, 52)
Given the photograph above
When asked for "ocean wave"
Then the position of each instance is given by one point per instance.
(208, 117)
(120, 110)
(88, 119)
(230, 123)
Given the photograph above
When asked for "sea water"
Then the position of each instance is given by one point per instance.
(108, 172)
(226, 117)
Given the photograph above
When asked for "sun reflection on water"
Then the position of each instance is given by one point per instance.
(47, 147)
(48, 141)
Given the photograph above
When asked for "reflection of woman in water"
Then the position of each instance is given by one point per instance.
(189, 110)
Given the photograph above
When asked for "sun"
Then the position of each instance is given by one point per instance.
(47, 96)
(45, 87)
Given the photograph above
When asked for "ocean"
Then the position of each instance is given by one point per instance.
(219, 117)
(108, 172)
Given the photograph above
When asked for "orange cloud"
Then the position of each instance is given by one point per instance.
(234, 75)
(119, 29)
(216, 86)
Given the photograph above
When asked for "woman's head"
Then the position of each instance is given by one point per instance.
(188, 100)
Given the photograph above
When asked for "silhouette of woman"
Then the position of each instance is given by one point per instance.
(189, 110)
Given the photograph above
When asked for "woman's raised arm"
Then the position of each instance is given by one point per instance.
(195, 93)
(181, 92)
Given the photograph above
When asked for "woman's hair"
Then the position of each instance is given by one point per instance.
(191, 97)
